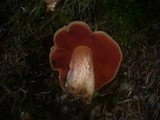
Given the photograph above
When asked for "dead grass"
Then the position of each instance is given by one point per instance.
(137, 87)
(28, 86)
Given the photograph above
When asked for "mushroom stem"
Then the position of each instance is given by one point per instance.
(80, 79)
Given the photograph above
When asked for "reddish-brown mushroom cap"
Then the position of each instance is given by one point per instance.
(107, 55)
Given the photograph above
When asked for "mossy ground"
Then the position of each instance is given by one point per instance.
(28, 86)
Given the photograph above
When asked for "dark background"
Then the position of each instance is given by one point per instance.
(29, 89)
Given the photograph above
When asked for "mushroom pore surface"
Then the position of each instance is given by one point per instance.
(86, 60)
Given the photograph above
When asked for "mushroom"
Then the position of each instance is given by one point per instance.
(86, 60)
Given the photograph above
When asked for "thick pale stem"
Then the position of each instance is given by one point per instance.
(80, 79)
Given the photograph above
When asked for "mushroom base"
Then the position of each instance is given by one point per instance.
(80, 79)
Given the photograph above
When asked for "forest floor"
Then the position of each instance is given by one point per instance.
(29, 88)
